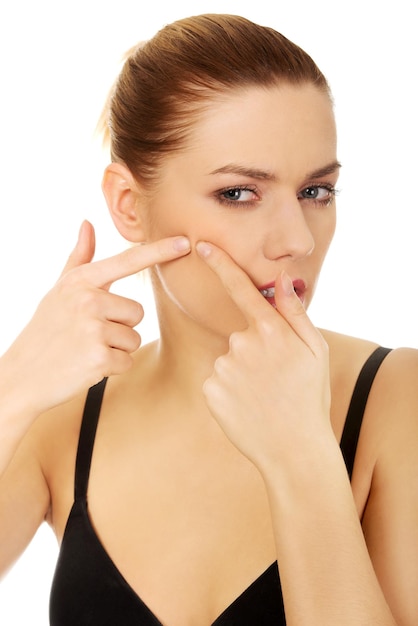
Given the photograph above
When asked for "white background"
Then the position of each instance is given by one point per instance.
(57, 62)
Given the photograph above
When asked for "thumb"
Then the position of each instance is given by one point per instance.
(293, 311)
(84, 248)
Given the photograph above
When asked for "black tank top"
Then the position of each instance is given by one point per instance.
(88, 589)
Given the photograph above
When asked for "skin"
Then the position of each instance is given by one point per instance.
(79, 311)
(242, 412)
(191, 191)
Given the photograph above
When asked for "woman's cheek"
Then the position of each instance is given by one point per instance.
(192, 287)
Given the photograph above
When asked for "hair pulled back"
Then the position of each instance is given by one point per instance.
(166, 82)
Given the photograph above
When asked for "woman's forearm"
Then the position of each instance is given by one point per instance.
(18, 407)
(326, 573)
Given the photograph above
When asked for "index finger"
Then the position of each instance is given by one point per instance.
(105, 272)
(237, 283)
(247, 297)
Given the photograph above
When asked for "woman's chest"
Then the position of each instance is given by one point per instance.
(188, 531)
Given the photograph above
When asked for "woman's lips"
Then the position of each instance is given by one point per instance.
(268, 291)
(300, 289)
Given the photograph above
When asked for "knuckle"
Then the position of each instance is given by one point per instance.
(206, 387)
(265, 327)
(134, 341)
(211, 391)
(122, 364)
(77, 296)
(235, 342)
(95, 335)
(86, 302)
(137, 313)
(71, 277)
(98, 360)
(222, 372)
(137, 342)
(219, 367)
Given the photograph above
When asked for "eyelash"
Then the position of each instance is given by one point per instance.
(220, 195)
(332, 192)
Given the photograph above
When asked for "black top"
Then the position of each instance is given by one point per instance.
(88, 589)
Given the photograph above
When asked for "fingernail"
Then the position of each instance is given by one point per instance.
(203, 248)
(181, 244)
(287, 284)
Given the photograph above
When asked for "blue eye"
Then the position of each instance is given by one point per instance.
(240, 195)
(320, 194)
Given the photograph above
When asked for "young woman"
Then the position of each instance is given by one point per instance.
(219, 475)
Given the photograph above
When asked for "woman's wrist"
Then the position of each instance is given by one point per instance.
(312, 456)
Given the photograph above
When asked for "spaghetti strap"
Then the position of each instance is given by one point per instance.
(86, 441)
(354, 419)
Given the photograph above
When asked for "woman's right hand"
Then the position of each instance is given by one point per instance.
(80, 331)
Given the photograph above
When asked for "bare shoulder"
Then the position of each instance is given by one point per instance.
(394, 395)
(348, 354)
(392, 407)
(395, 398)
(346, 351)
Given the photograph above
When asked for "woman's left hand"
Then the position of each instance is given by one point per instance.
(271, 392)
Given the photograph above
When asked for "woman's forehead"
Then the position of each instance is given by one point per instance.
(262, 124)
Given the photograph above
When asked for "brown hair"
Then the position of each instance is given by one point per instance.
(167, 81)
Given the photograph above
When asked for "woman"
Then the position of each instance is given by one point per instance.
(208, 460)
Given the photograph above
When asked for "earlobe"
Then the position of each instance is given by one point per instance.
(122, 196)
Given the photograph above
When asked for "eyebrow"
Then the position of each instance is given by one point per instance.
(250, 172)
(254, 172)
(331, 168)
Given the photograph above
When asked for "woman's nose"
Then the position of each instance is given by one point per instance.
(288, 233)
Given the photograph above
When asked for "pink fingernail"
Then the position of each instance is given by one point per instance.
(181, 244)
(203, 249)
(287, 284)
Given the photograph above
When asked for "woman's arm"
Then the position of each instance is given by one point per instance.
(390, 520)
(271, 396)
(27, 368)
(79, 333)
(376, 564)
(326, 572)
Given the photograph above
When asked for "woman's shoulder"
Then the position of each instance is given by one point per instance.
(347, 351)
(394, 394)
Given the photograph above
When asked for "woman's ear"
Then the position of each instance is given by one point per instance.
(122, 196)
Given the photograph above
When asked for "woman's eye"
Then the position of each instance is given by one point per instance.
(237, 195)
(322, 194)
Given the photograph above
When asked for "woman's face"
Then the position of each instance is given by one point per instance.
(257, 179)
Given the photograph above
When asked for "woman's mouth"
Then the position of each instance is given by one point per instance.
(268, 291)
